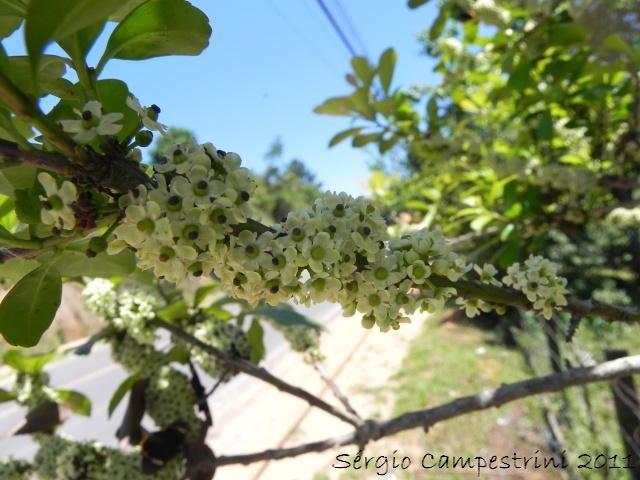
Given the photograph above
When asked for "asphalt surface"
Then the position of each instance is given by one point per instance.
(97, 377)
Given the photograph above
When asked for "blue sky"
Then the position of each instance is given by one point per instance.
(269, 63)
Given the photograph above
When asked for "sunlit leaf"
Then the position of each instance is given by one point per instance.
(174, 311)
(31, 364)
(79, 403)
(6, 396)
(158, 28)
(362, 140)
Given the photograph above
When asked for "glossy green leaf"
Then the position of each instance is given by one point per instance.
(416, 3)
(79, 403)
(179, 353)
(255, 338)
(6, 396)
(157, 28)
(509, 255)
(364, 139)
(73, 262)
(51, 20)
(508, 232)
(30, 364)
(386, 66)
(218, 313)
(344, 135)
(121, 391)
(174, 311)
(288, 318)
(30, 306)
(125, 10)
(204, 291)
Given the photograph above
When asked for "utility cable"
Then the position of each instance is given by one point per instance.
(337, 28)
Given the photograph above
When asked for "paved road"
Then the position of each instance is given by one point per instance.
(97, 377)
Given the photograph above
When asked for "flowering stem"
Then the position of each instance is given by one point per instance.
(511, 297)
(47, 160)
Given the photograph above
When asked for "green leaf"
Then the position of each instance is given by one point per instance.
(385, 107)
(481, 221)
(340, 106)
(362, 140)
(509, 255)
(8, 25)
(114, 95)
(288, 318)
(218, 313)
(73, 262)
(566, 33)
(32, 364)
(125, 10)
(416, 3)
(432, 112)
(507, 232)
(617, 44)
(344, 135)
(180, 353)
(51, 20)
(28, 206)
(13, 270)
(30, 306)
(6, 396)
(121, 391)
(203, 291)
(386, 67)
(7, 240)
(544, 131)
(438, 25)
(521, 76)
(157, 28)
(363, 70)
(174, 311)
(255, 338)
(78, 44)
(388, 144)
(79, 403)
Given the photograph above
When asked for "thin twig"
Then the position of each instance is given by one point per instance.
(334, 387)
(429, 417)
(257, 372)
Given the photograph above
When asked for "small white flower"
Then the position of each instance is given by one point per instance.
(134, 104)
(57, 202)
(92, 123)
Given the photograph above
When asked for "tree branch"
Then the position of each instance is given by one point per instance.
(334, 388)
(375, 430)
(257, 372)
(48, 160)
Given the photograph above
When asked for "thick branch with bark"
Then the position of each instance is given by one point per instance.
(375, 430)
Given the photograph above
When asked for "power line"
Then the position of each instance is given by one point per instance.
(337, 28)
(302, 37)
(345, 18)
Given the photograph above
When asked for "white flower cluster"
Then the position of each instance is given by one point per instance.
(170, 398)
(304, 340)
(225, 336)
(13, 469)
(92, 123)
(195, 222)
(177, 227)
(33, 389)
(62, 458)
(537, 278)
(566, 178)
(624, 217)
(126, 307)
